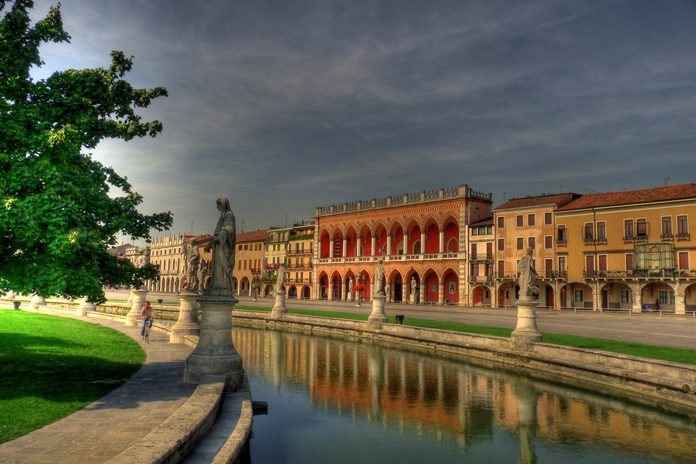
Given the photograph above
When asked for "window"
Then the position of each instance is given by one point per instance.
(531, 242)
(589, 265)
(602, 262)
(666, 297)
(489, 250)
(683, 260)
(579, 295)
(548, 242)
(548, 218)
(682, 227)
(667, 227)
(473, 251)
(246, 247)
(501, 244)
(548, 267)
(602, 231)
(641, 229)
(520, 220)
(531, 220)
(625, 298)
(629, 261)
(562, 234)
(562, 267)
(588, 232)
(628, 229)
(520, 243)
(501, 222)
(501, 269)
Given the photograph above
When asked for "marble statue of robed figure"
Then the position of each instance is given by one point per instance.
(527, 276)
(223, 247)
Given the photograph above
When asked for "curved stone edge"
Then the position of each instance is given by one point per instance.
(178, 435)
(172, 440)
(647, 381)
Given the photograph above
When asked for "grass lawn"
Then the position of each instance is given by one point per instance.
(50, 367)
(663, 353)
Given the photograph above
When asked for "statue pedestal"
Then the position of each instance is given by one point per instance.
(138, 299)
(279, 308)
(84, 307)
(526, 332)
(187, 323)
(37, 302)
(215, 353)
(377, 316)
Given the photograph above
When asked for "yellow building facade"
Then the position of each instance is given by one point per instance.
(629, 250)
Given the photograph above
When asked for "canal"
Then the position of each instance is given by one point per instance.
(332, 401)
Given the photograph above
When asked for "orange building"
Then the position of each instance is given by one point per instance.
(421, 237)
(630, 250)
(249, 259)
(522, 223)
(481, 280)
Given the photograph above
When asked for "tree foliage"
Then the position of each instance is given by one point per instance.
(57, 218)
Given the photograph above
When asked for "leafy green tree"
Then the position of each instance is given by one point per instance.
(57, 217)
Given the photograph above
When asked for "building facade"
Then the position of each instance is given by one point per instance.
(168, 253)
(299, 254)
(522, 223)
(481, 276)
(422, 238)
(249, 258)
(629, 250)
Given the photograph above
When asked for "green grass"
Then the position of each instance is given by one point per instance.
(50, 367)
(664, 353)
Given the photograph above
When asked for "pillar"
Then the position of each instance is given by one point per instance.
(636, 303)
(373, 243)
(679, 300)
(331, 248)
(441, 244)
(86, 305)
(389, 246)
(138, 299)
(358, 246)
(526, 332)
(388, 290)
(187, 323)
(344, 248)
(343, 292)
(422, 293)
(422, 241)
(441, 293)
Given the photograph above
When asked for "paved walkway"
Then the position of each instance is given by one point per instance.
(106, 427)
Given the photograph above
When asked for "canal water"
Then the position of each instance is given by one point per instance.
(332, 401)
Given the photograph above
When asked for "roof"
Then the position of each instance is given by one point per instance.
(483, 222)
(557, 200)
(632, 197)
(254, 236)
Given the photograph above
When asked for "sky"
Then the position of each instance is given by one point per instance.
(283, 106)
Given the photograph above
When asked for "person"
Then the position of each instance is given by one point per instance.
(527, 275)
(222, 245)
(147, 316)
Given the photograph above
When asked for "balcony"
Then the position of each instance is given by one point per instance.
(392, 258)
(554, 275)
(595, 241)
(683, 236)
(300, 252)
(480, 257)
(667, 237)
(641, 274)
(561, 241)
(485, 279)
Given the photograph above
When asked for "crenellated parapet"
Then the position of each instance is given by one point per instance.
(461, 191)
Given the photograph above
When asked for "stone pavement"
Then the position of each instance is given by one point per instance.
(106, 427)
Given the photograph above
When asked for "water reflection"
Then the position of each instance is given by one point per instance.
(450, 401)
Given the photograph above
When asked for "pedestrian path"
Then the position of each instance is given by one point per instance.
(108, 426)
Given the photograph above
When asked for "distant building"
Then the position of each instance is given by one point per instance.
(421, 236)
(249, 260)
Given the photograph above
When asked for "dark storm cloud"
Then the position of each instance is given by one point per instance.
(285, 106)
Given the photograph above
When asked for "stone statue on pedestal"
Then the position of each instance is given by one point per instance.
(223, 247)
(193, 259)
(281, 278)
(527, 276)
(378, 287)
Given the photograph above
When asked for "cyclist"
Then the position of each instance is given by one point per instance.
(147, 315)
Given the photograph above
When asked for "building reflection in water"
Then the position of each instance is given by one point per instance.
(454, 400)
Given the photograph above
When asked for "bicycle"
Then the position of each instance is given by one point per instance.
(147, 329)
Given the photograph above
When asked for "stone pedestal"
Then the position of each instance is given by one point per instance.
(215, 353)
(377, 316)
(37, 302)
(85, 306)
(187, 323)
(526, 332)
(279, 308)
(137, 302)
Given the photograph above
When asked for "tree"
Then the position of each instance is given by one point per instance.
(57, 217)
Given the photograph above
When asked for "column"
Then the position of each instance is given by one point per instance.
(388, 290)
(358, 246)
(373, 242)
(679, 299)
(345, 247)
(441, 246)
(636, 298)
(389, 246)
(422, 293)
(343, 291)
(422, 250)
(319, 249)
(331, 248)
(441, 293)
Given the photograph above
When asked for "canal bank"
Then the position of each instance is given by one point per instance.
(649, 382)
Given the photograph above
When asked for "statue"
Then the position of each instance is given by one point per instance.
(378, 286)
(193, 258)
(255, 284)
(414, 284)
(527, 275)
(281, 278)
(139, 261)
(222, 245)
(350, 285)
